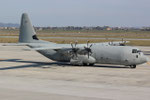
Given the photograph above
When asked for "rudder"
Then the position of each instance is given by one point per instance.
(27, 32)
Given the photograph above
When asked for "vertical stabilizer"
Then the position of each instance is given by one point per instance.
(27, 32)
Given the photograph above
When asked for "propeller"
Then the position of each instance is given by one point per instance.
(111, 43)
(75, 51)
(88, 49)
(123, 42)
(74, 48)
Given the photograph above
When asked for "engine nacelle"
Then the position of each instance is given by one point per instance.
(82, 59)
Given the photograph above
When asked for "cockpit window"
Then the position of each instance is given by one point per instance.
(139, 51)
(136, 51)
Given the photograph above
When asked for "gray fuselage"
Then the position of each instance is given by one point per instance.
(120, 55)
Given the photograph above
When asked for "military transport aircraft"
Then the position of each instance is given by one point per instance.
(80, 54)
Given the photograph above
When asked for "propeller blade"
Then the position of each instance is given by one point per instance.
(88, 43)
(76, 42)
(122, 40)
(88, 55)
(112, 42)
(75, 55)
(71, 44)
(74, 49)
(88, 49)
(91, 45)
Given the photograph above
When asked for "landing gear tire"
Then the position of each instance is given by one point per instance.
(85, 64)
(133, 66)
(92, 64)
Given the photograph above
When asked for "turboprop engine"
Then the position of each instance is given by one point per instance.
(83, 60)
(81, 56)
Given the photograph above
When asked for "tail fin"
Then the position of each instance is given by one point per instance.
(27, 32)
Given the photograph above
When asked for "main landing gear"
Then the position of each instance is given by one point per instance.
(89, 64)
(133, 66)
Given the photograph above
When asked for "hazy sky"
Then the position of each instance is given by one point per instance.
(78, 12)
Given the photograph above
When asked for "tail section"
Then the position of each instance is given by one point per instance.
(27, 32)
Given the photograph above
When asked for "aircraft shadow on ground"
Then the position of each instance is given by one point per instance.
(30, 64)
(48, 64)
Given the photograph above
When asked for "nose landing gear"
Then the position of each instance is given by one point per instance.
(133, 66)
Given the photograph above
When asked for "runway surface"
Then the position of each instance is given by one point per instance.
(27, 75)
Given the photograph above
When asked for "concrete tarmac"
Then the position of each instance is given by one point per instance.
(27, 75)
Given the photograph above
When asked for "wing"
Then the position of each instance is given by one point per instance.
(68, 46)
(45, 46)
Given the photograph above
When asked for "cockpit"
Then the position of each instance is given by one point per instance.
(138, 56)
(136, 51)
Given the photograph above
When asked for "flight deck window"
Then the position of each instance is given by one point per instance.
(139, 51)
(134, 51)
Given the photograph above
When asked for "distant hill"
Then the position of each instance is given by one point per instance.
(8, 25)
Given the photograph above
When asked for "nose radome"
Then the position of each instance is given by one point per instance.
(145, 59)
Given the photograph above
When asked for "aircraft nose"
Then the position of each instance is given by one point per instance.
(143, 59)
(146, 59)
